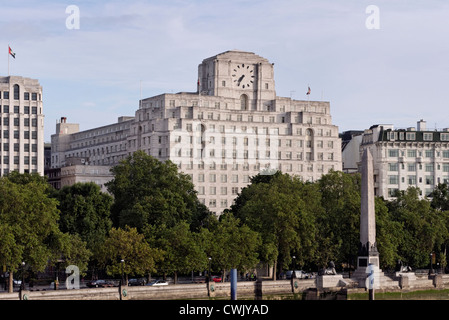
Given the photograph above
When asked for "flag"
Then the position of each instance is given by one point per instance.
(11, 52)
(308, 91)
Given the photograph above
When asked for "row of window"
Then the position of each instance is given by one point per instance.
(411, 136)
(16, 160)
(256, 154)
(213, 202)
(16, 122)
(413, 153)
(413, 179)
(156, 104)
(288, 167)
(245, 141)
(16, 109)
(26, 95)
(256, 130)
(262, 118)
(26, 134)
(427, 192)
(16, 147)
(428, 167)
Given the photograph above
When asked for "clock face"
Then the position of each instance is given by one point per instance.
(243, 76)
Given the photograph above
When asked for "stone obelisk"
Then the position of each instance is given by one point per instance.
(368, 246)
(367, 253)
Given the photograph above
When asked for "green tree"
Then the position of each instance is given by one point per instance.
(388, 235)
(274, 207)
(231, 244)
(85, 211)
(423, 230)
(339, 223)
(28, 217)
(181, 250)
(440, 197)
(131, 247)
(150, 192)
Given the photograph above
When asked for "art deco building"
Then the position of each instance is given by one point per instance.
(21, 125)
(231, 129)
(416, 157)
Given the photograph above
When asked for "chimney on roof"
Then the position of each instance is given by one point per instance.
(63, 119)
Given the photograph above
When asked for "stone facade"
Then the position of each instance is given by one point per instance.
(21, 126)
(231, 129)
(415, 157)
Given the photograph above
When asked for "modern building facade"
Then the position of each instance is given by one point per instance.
(231, 129)
(21, 125)
(416, 157)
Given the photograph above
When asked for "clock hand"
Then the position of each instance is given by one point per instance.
(240, 79)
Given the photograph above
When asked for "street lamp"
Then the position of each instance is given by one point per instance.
(208, 274)
(122, 262)
(22, 285)
(431, 266)
(294, 267)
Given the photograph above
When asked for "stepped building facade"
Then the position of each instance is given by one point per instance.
(232, 128)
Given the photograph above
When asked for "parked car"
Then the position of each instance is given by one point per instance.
(16, 283)
(216, 279)
(299, 274)
(158, 283)
(100, 284)
(137, 282)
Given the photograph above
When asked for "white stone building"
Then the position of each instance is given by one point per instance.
(231, 129)
(21, 125)
(416, 157)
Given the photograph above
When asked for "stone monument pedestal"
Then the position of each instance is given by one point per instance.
(330, 281)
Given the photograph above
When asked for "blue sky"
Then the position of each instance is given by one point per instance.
(396, 74)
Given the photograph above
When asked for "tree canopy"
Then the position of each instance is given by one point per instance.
(151, 192)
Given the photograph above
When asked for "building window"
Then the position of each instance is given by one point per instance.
(411, 153)
(444, 136)
(393, 153)
(224, 203)
(16, 92)
(429, 153)
(244, 102)
(392, 167)
(393, 179)
(428, 136)
(410, 136)
(392, 192)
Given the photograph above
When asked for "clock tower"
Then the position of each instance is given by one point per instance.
(241, 75)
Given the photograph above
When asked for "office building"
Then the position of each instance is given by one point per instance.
(232, 128)
(21, 125)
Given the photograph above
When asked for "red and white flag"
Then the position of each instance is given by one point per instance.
(11, 52)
